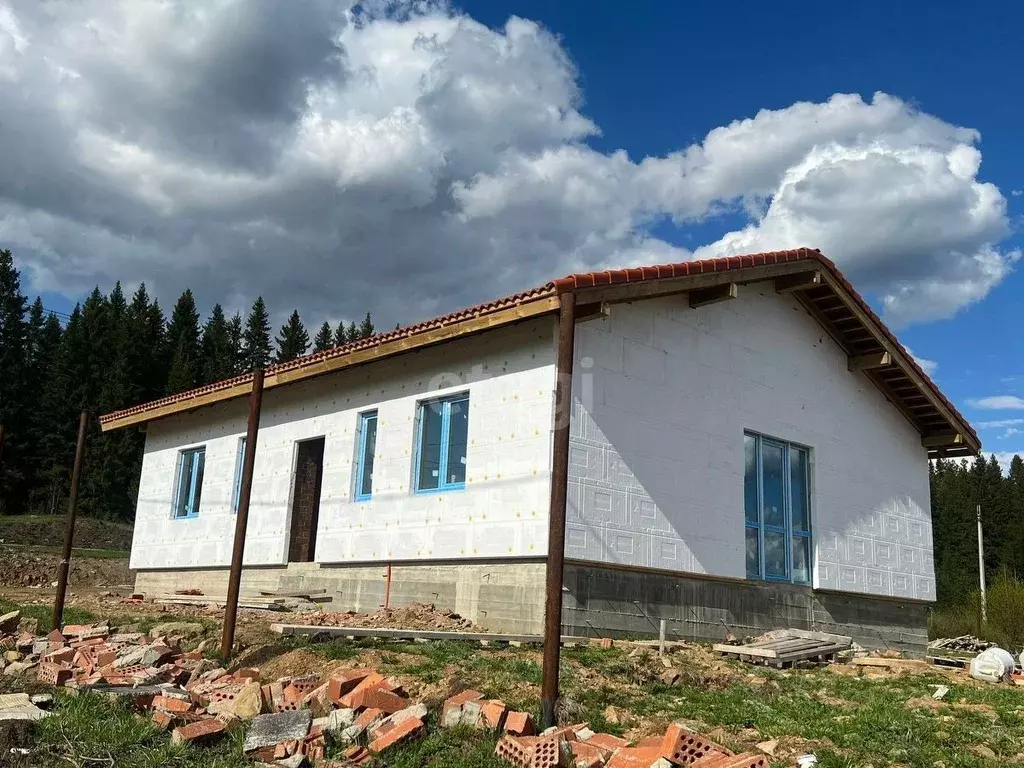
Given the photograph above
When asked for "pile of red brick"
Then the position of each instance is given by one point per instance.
(577, 746)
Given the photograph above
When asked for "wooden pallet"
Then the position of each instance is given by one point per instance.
(785, 651)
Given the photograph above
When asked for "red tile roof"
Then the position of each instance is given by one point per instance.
(562, 285)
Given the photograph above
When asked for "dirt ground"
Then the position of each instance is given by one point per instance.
(22, 568)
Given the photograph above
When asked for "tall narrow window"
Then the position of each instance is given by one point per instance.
(442, 444)
(776, 510)
(366, 449)
(239, 461)
(191, 464)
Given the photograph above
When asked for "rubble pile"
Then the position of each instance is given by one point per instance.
(412, 616)
(577, 746)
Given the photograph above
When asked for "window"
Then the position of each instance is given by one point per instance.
(443, 437)
(239, 461)
(778, 510)
(190, 482)
(366, 450)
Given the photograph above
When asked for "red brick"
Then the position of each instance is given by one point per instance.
(606, 742)
(345, 681)
(607, 642)
(248, 674)
(169, 704)
(634, 757)
(681, 746)
(370, 682)
(459, 699)
(519, 724)
(358, 755)
(50, 673)
(204, 730)
(401, 732)
(550, 752)
(376, 698)
(163, 720)
(586, 756)
(493, 713)
(517, 750)
(650, 741)
(367, 717)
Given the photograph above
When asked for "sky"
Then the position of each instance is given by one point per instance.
(411, 158)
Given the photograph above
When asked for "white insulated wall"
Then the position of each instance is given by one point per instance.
(509, 374)
(662, 396)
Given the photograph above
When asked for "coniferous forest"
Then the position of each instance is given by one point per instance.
(114, 351)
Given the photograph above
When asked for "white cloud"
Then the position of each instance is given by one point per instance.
(998, 403)
(324, 157)
(999, 423)
(928, 366)
(1010, 433)
(1004, 458)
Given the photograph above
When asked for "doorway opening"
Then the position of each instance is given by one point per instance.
(309, 471)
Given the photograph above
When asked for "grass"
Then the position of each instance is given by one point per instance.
(98, 554)
(845, 720)
(1005, 625)
(43, 614)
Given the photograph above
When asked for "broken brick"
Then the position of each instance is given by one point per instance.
(402, 731)
(169, 704)
(203, 730)
(345, 681)
(493, 714)
(681, 746)
(50, 673)
(451, 711)
(358, 755)
(718, 760)
(606, 742)
(519, 724)
(517, 750)
(377, 698)
(586, 755)
(634, 757)
(162, 720)
(371, 682)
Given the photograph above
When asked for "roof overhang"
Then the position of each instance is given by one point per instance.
(808, 276)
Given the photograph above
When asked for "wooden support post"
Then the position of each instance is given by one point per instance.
(801, 281)
(868, 362)
(69, 532)
(556, 515)
(713, 295)
(227, 640)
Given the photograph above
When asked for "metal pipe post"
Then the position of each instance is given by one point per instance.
(69, 534)
(242, 515)
(981, 571)
(556, 517)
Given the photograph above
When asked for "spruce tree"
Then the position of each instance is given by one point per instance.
(256, 338)
(341, 335)
(366, 327)
(183, 345)
(324, 338)
(292, 341)
(15, 388)
(218, 353)
(235, 342)
(353, 333)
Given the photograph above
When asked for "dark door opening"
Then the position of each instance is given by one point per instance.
(309, 470)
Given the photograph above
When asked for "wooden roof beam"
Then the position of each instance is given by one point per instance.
(801, 281)
(869, 362)
(942, 440)
(713, 295)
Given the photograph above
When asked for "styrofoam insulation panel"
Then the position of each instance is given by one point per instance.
(662, 396)
(509, 374)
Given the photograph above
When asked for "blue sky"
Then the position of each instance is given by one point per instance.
(655, 79)
(411, 158)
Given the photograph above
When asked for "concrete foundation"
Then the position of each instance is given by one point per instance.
(598, 601)
(501, 596)
(616, 602)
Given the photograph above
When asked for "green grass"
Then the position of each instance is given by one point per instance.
(98, 554)
(44, 614)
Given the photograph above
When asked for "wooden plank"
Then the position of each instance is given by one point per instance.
(781, 649)
(308, 593)
(867, 362)
(801, 281)
(414, 634)
(713, 295)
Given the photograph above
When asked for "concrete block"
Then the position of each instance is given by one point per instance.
(267, 730)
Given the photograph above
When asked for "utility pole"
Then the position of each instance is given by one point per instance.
(69, 534)
(227, 640)
(981, 571)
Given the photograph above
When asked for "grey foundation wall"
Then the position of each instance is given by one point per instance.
(501, 596)
(613, 602)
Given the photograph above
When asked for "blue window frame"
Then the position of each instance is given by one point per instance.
(366, 450)
(777, 510)
(239, 461)
(191, 464)
(441, 443)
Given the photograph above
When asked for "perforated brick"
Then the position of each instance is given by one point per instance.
(517, 750)
(50, 673)
(682, 746)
